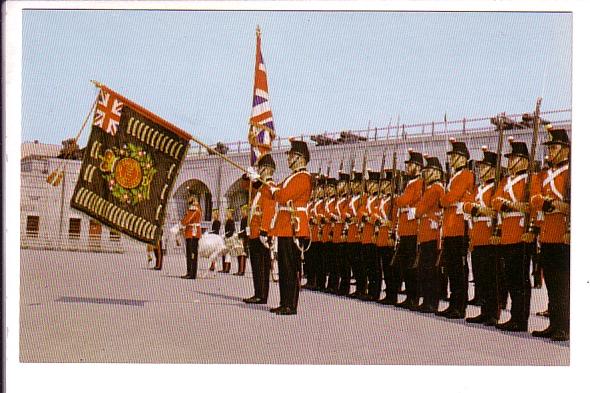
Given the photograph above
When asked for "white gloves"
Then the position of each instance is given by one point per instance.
(253, 174)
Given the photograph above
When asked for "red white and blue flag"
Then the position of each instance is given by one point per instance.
(262, 130)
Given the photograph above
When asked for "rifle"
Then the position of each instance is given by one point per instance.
(348, 186)
(394, 186)
(496, 230)
(363, 185)
(322, 220)
(381, 176)
(528, 223)
(567, 197)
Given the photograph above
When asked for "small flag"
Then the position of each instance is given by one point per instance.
(262, 130)
(129, 168)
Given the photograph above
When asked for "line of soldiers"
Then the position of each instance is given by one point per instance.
(423, 234)
(376, 231)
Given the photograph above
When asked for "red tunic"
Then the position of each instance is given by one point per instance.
(351, 212)
(370, 210)
(428, 212)
(192, 223)
(480, 228)
(551, 184)
(387, 223)
(329, 206)
(405, 202)
(339, 214)
(295, 190)
(262, 211)
(460, 184)
(511, 188)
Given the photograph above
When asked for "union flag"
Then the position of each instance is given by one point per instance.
(262, 130)
(108, 112)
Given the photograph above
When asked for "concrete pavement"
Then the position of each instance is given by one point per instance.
(82, 307)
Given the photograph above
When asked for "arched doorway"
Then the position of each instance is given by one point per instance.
(192, 187)
(236, 196)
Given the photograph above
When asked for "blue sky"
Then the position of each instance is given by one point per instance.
(327, 71)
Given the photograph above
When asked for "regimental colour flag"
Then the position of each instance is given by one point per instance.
(262, 130)
(129, 168)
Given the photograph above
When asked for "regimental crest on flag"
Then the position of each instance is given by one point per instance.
(262, 130)
(129, 167)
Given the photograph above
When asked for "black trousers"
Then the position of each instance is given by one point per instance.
(428, 277)
(260, 262)
(368, 252)
(385, 258)
(555, 261)
(405, 259)
(453, 258)
(354, 259)
(374, 272)
(517, 268)
(289, 262)
(485, 260)
(192, 255)
(323, 263)
(347, 255)
(310, 265)
(335, 256)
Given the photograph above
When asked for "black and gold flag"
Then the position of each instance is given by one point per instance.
(129, 167)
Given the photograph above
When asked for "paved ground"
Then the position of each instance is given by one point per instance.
(80, 307)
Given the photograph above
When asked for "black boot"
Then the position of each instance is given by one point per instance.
(241, 266)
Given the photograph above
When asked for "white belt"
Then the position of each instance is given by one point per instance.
(479, 219)
(459, 206)
(512, 214)
(288, 209)
(194, 225)
(405, 209)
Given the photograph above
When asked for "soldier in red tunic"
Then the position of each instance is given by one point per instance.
(454, 247)
(405, 255)
(291, 226)
(385, 240)
(262, 210)
(428, 212)
(509, 201)
(550, 196)
(192, 233)
(484, 254)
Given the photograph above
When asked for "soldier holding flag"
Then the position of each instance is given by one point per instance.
(261, 212)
